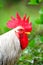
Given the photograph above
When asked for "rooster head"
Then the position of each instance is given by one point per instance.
(22, 28)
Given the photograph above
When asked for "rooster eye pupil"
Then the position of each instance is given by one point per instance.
(21, 30)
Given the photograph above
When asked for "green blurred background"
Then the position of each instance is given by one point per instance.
(33, 54)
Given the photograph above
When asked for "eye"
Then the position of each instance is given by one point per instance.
(20, 29)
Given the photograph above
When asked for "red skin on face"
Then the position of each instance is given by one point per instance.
(23, 39)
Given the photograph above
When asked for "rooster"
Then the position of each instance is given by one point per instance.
(14, 41)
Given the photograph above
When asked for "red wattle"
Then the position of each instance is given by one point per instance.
(24, 41)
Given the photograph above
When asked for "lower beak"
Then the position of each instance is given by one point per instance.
(27, 33)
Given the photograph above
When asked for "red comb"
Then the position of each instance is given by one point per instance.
(18, 21)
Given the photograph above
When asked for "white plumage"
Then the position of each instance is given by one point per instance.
(9, 48)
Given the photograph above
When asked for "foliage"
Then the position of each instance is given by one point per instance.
(34, 2)
(7, 2)
(40, 19)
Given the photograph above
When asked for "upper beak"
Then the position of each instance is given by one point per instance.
(27, 33)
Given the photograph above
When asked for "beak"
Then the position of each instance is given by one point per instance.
(27, 33)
